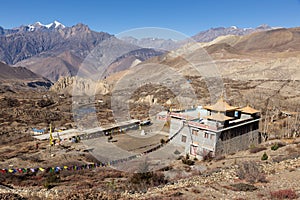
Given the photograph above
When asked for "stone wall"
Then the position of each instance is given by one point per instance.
(238, 143)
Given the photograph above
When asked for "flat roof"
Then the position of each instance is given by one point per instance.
(214, 129)
(218, 117)
(74, 132)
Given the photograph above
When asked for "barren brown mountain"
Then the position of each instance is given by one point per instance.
(260, 70)
(22, 76)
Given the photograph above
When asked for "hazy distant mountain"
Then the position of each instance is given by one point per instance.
(274, 40)
(54, 50)
(203, 36)
(155, 43)
(272, 54)
(131, 58)
(213, 33)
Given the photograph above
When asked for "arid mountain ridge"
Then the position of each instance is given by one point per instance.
(55, 50)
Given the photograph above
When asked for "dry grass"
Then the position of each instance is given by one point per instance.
(257, 149)
(250, 172)
(284, 194)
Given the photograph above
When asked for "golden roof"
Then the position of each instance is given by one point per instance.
(248, 110)
(220, 106)
(218, 117)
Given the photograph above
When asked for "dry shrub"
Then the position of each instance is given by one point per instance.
(291, 150)
(51, 180)
(11, 102)
(284, 194)
(167, 168)
(219, 157)
(144, 178)
(196, 191)
(243, 187)
(45, 102)
(250, 172)
(90, 194)
(281, 158)
(11, 196)
(257, 149)
(186, 160)
(142, 181)
(207, 156)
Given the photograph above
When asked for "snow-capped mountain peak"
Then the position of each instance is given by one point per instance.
(38, 24)
(57, 24)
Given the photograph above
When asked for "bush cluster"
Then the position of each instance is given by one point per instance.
(45, 102)
(277, 146)
(264, 156)
(142, 181)
(51, 180)
(284, 194)
(186, 160)
(250, 172)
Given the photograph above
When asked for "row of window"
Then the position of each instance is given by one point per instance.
(209, 135)
(195, 132)
(206, 134)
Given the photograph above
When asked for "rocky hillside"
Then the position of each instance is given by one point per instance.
(32, 40)
(21, 75)
(55, 50)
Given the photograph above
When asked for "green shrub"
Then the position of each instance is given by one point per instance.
(275, 147)
(176, 152)
(264, 156)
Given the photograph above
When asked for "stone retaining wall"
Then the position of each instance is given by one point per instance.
(238, 143)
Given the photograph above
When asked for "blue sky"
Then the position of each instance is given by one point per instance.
(186, 16)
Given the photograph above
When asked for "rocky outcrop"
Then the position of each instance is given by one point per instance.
(80, 86)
